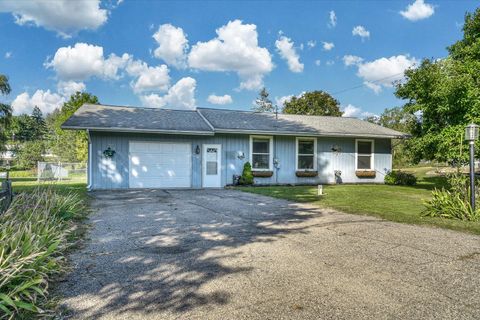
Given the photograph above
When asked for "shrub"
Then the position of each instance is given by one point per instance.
(247, 175)
(401, 178)
(34, 233)
(452, 202)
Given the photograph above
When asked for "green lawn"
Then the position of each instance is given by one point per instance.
(395, 203)
(26, 181)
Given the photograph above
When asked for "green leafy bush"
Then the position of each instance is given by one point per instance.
(401, 178)
(34, 233)
(453, 202)
(247, 175)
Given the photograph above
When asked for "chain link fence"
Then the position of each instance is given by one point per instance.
(60, 171)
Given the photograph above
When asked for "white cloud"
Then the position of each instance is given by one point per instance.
(352, 111)
(330, 63)
(327, 46)
(45, 100)
(67, 88)
(418, 10)
(214, 99)
(311, 43)
(384, 71)
(66, 17)
(179, 96)
(83, 61)
(350, 60)
(288, 53)
(148, 78)
(332, 19)
(317, 62)
(172, 45)
(282, 100)
(8, 55)
(234, 49)
(376, 88)
(361, 32)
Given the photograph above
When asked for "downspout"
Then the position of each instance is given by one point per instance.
(89, 169)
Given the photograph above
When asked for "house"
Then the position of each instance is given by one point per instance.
(133, 147)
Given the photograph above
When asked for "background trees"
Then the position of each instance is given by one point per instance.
(5, 112)
(315, 103)
(445, 94)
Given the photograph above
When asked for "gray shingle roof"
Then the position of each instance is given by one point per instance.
(113, 118)
(208, 121)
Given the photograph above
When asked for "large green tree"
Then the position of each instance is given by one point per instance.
(69, 145)
(5, 111)
(315, 103)
(446, 94)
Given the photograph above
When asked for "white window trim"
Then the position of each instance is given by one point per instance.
(372, 158)
(297, 139)
(270, 162)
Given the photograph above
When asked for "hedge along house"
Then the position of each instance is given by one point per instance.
(133, 147)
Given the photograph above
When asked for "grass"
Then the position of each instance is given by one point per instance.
(395, 203)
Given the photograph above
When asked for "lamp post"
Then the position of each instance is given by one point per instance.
(471, 134)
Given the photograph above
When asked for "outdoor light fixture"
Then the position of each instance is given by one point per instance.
(197, 149)
(471, 134)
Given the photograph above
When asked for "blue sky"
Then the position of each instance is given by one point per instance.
(191, 54)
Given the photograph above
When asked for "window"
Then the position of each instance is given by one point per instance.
(364, 158)
(261, 152)
(306, 154)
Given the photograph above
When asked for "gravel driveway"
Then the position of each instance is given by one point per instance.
(225, 254)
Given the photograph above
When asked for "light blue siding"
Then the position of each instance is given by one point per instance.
(114, 174)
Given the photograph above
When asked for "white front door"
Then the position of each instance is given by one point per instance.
(211, 165)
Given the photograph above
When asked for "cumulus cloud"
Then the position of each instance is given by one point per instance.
(327, 46)
(8, 55)
(148, 78)
(385, 71)
(214, 99)
(317, 62)
(311, 43)
(282, 100)
(65, 17)
(234, 49)
(351, 111)
(361, 32)
(418, 10)
(172, 45)
(45, 100)
(179, 96)
(287, 51)
(82, 61)
(67, 88)
(332, 22)
(330, 63)
(381, 72)
(350, 60)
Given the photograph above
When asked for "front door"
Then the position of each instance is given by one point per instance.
(212, 159)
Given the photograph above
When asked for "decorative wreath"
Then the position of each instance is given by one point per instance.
(108, 153)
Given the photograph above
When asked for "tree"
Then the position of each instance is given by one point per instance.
(446, 93)
(38, 121)
(5, 111)
(29, 153)
(69, 145)
(315, 103)
(263, 103)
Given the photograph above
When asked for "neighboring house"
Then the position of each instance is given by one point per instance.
(160, 148)
(7, 156)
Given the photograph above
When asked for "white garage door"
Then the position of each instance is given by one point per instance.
(160, 165)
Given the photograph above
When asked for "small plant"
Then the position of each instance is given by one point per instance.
(452, 202)
(247, 175)
(400, 178)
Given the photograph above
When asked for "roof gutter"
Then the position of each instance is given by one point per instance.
(130, 130)
(311, 134)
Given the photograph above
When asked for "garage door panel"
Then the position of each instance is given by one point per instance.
(160, 165)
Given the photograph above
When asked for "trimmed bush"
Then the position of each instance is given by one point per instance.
(34, 234)
(400, 178)
(247, 175)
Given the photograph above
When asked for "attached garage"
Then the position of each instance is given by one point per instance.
(160, 165)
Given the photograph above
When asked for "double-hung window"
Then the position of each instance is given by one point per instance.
(364, 154)
(306, 154)
(261, 152)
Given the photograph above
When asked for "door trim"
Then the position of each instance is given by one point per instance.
(204, 163)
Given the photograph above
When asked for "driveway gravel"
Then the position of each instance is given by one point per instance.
(225, 254)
